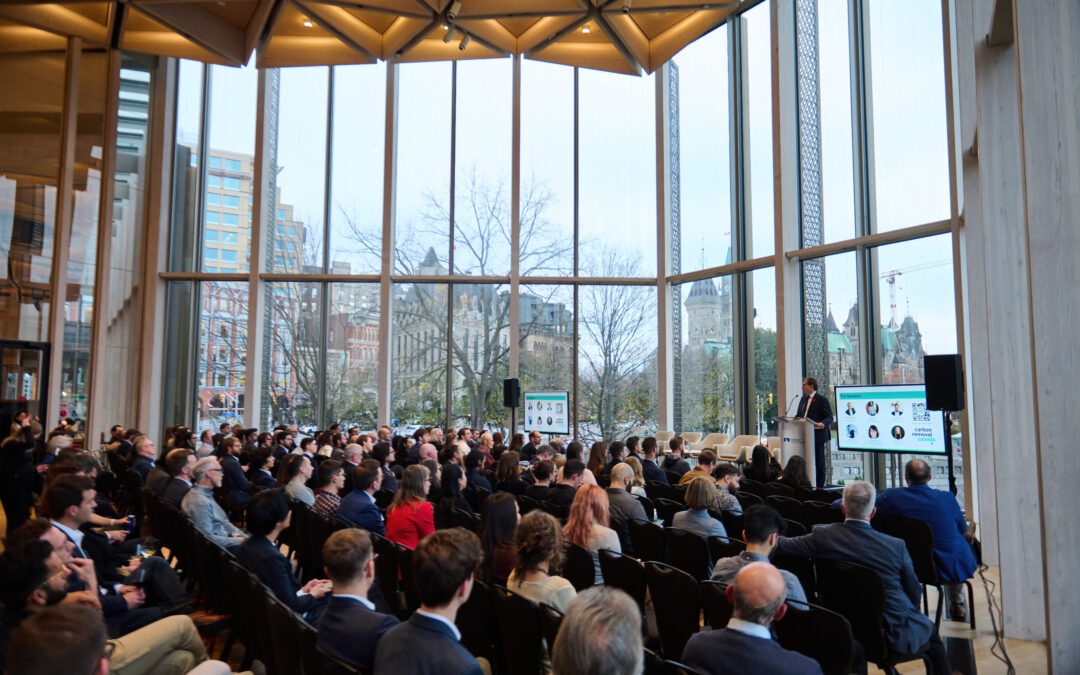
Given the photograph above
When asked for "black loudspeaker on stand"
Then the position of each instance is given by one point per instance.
(944, 376)
(512, 399)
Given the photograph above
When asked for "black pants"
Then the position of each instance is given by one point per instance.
(819, 461)
(939, 658)
(163, 587)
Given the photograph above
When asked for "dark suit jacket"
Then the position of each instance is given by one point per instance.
(561, 494)
(350, 631)
(423, 646)
(477, 480)
(952, 554)
(906, 628)
(174, 491)
(348, 468)
(729, 651)
(389, 480)
(820, 411)
(157, 479)
(142, 465)
(262, 480)
(273, 569)
(650, 471)
(234, 482)
(528, 451)
(538, 492)
(358, 509)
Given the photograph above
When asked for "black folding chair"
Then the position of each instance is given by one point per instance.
(819, 633)
(648, 541)
(721, 548)
(677, 603)
(520, 631)
(688, 552)
(714, 601)
(550, 621)
(623, 572)
(386, 573)
(476, 621)
(579, 568)
(788, 507)
(667, 508)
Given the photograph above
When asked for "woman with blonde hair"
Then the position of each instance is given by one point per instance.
(411, 517)
(637, 485)
(588, 525)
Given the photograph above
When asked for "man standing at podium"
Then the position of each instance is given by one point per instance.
(816, 408)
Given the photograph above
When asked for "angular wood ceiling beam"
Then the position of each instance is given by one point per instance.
(256, 29)
(58, 19)
(209, 31)
(345, 27)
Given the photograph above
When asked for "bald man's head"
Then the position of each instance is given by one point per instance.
(758, 594)
(428, 451)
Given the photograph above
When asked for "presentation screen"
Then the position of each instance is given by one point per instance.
(547, 412)
(888, 418)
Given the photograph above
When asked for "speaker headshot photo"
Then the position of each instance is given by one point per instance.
(871, 408)
(898, 432)
(850, 409)
(851, 430)
(873, 433)
(896, 411)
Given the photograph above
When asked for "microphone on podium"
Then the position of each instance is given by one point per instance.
(788, 408)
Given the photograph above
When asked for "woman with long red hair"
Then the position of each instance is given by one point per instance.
(588, 525)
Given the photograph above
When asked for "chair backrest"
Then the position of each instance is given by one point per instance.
(648, 541)
(550, 622)
(725, 548)
(819, 513)
(383, 499)
(788, 507)
(623, 572)
(819, 633)
(519, 628)
(733, 522)
(654, 665)
(386, 572)
(747, 499)
(648, 505)
(677, 604)
(672, 476)
(578, 567)
(476, 621)
(918, 536)
(780, 489)
(655, 489)
(404, 556)
(667, 508)
(688, 552)
(803, 568)
(793, 528)
(857, 593)
(752, 486)
(559, 511)
(463, 519)
(283, 634)
(526, 504)
(715, 603)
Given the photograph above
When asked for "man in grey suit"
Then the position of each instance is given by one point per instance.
(624, 506)
(907, 630)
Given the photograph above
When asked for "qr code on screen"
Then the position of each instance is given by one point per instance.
(918, 413)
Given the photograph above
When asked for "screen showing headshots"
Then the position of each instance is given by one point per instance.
(888, 418)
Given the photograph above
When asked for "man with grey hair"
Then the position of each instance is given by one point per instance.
(204, 511)
(600, 634)
(354, 454)
(745, 645)
(907, 629)
(624, 506)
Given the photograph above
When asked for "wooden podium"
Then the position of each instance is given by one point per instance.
(797, 438)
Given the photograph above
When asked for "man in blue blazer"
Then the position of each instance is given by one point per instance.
(350, 628)
(358, 507)
(429, 643)
(268, 515)
(907, 629)
(649, 468)
(953, 556)
(745, 645)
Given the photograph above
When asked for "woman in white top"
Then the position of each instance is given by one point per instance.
(295, 471)
(637, 485)
(539, 553)
(588, 525)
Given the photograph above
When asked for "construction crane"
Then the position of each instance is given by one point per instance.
(890, 279)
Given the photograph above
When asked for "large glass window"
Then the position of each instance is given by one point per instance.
(758, 133)
(761, 352)
(834, 107)
(616, 362)
(356, 173)
(704, 169)
(546, 339)
(352, 353)
(705, 375)
(418, 350)
(293, 380)
(481, 348)
(221, 362)
(617, 175)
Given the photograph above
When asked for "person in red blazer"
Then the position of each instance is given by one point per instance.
(411, 517)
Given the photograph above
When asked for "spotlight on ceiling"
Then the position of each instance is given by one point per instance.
(626, 6)
(451, 32)
(453, 9)
(465, 42)
(307, 23)
(586, 30)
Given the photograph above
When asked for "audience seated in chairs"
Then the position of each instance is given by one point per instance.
(700, 497)
(508, 474)
(649, 466)
(726, 476)
(539, 543)
(268, 516)
(572, 477)
(598, 459)
(907, 630)
(600, 634)
(542, 473)
(674, 461)
(261, 472)
(762, 528)
(705, 464)
(143, 462)
(575, 450)
(179, 462)
(746, 645)
(452, 495)
(331, 480)
(383, 453)
(763, 467)
(429, 642)
(794, 474)
(497, 537)
(623, 506)
(295, 472)
(236, 486)
(588, 525)
(206, 514)
(358, 507)
(350, 628)
(637, 484)
(410, 516)
(474, 463)
(953, 554)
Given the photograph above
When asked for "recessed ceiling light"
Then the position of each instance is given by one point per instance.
(446, 26)
(307, 23)
(586, 30)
